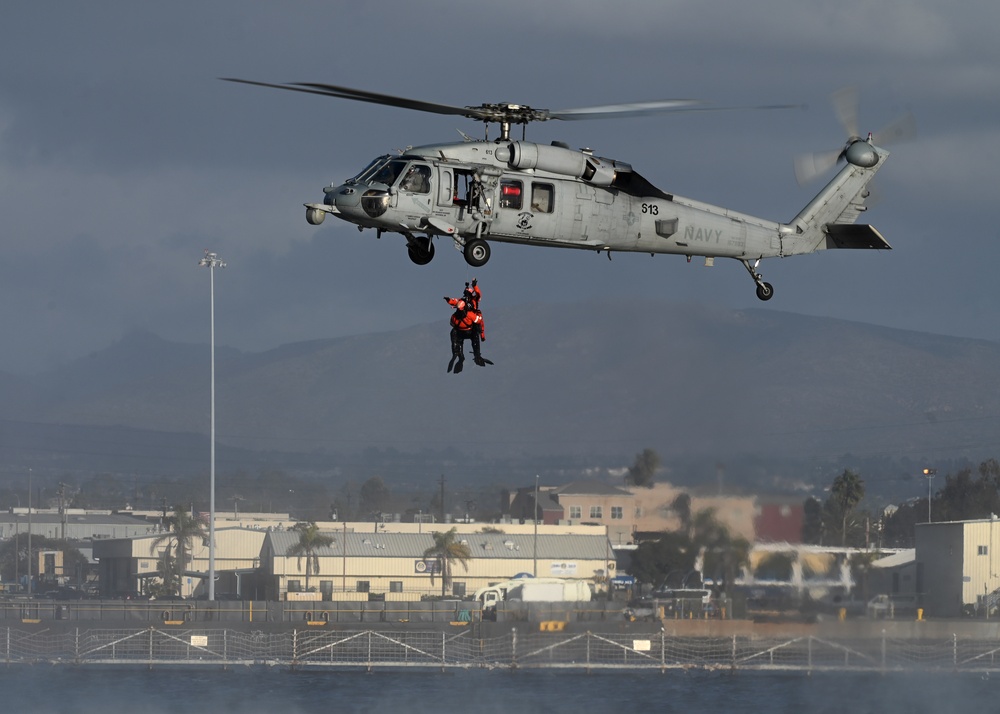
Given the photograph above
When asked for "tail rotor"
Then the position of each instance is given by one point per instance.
(856, 150)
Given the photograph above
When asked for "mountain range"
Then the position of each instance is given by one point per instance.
(598, 381)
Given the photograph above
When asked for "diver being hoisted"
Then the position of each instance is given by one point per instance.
(467, 324)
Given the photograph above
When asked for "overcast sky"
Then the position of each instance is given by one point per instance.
(123, 157)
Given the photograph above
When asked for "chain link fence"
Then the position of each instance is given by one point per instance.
(302, 648)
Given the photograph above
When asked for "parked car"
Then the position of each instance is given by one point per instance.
(890, 606)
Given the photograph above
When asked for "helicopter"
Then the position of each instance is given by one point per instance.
(475, 192)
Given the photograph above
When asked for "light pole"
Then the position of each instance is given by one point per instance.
(211, 261)
(30, 566)
(534, 518)
(929, 473)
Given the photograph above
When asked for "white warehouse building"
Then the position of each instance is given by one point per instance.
(957, 566)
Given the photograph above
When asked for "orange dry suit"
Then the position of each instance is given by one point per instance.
(466, 324)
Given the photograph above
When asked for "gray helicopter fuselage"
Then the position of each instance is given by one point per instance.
(542, 195)
(550, 195)
(479, 192)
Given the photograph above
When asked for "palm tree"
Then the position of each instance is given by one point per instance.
(446, 550)
(847, 491)
(184, 528)
(310, 541)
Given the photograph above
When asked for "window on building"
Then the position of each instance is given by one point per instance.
(458, 589)
(326, 588)
(983, 550)
(363, 586)
(617, 513)
(294, 586)
(596, 512)
(575, 513)
(395, 586)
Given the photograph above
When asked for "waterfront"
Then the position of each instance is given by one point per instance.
(259, 690)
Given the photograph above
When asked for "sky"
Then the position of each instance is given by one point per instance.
(123, 158)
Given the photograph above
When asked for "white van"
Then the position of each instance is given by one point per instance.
(890, 606)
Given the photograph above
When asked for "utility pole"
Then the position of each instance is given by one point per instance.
(442, 498)
(62, 510)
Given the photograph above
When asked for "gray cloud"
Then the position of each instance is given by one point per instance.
(122, 157)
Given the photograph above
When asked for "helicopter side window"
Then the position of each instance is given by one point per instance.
(417, 179)
(541, 197)
(510, 194)
(446, 191)
(389, 173)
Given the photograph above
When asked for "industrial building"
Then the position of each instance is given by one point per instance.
(955, 567)
(393, 566)
(365, 561)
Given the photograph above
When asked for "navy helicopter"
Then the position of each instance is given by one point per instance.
(510, 191)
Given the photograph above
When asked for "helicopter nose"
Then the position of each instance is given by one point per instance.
(344, 197)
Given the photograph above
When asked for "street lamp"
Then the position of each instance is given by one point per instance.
(534, 518)
(211, 261)
(929, 473)
(30, 566)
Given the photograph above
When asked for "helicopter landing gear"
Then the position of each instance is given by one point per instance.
(420, 250)
(764, 290)
(477, 252)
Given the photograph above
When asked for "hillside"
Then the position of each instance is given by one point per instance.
(588, 379)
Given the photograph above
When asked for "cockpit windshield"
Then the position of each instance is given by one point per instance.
(386, 173)
(366, 172)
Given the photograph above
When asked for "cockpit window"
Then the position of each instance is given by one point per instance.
(388, 173)
(368, 170)
(417, 179)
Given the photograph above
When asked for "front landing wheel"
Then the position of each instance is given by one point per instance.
(477, 252)
(765, 291)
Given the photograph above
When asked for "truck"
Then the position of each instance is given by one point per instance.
(891, 606)
(535, 590)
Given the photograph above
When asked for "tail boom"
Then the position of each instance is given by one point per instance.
(829, 220)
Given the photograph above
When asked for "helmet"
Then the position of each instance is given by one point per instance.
(460, 305)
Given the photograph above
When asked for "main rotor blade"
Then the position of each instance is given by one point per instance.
(511, 113)
(623, 110)
(658, 107)
(360, 95)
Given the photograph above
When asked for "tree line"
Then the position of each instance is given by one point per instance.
(844, 519)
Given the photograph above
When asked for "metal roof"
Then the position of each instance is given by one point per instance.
(481, 545)
(73, 518)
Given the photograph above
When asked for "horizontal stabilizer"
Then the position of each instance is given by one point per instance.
(853, 235)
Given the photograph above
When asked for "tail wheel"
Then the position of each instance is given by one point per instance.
(765, 291)
(477, 252)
